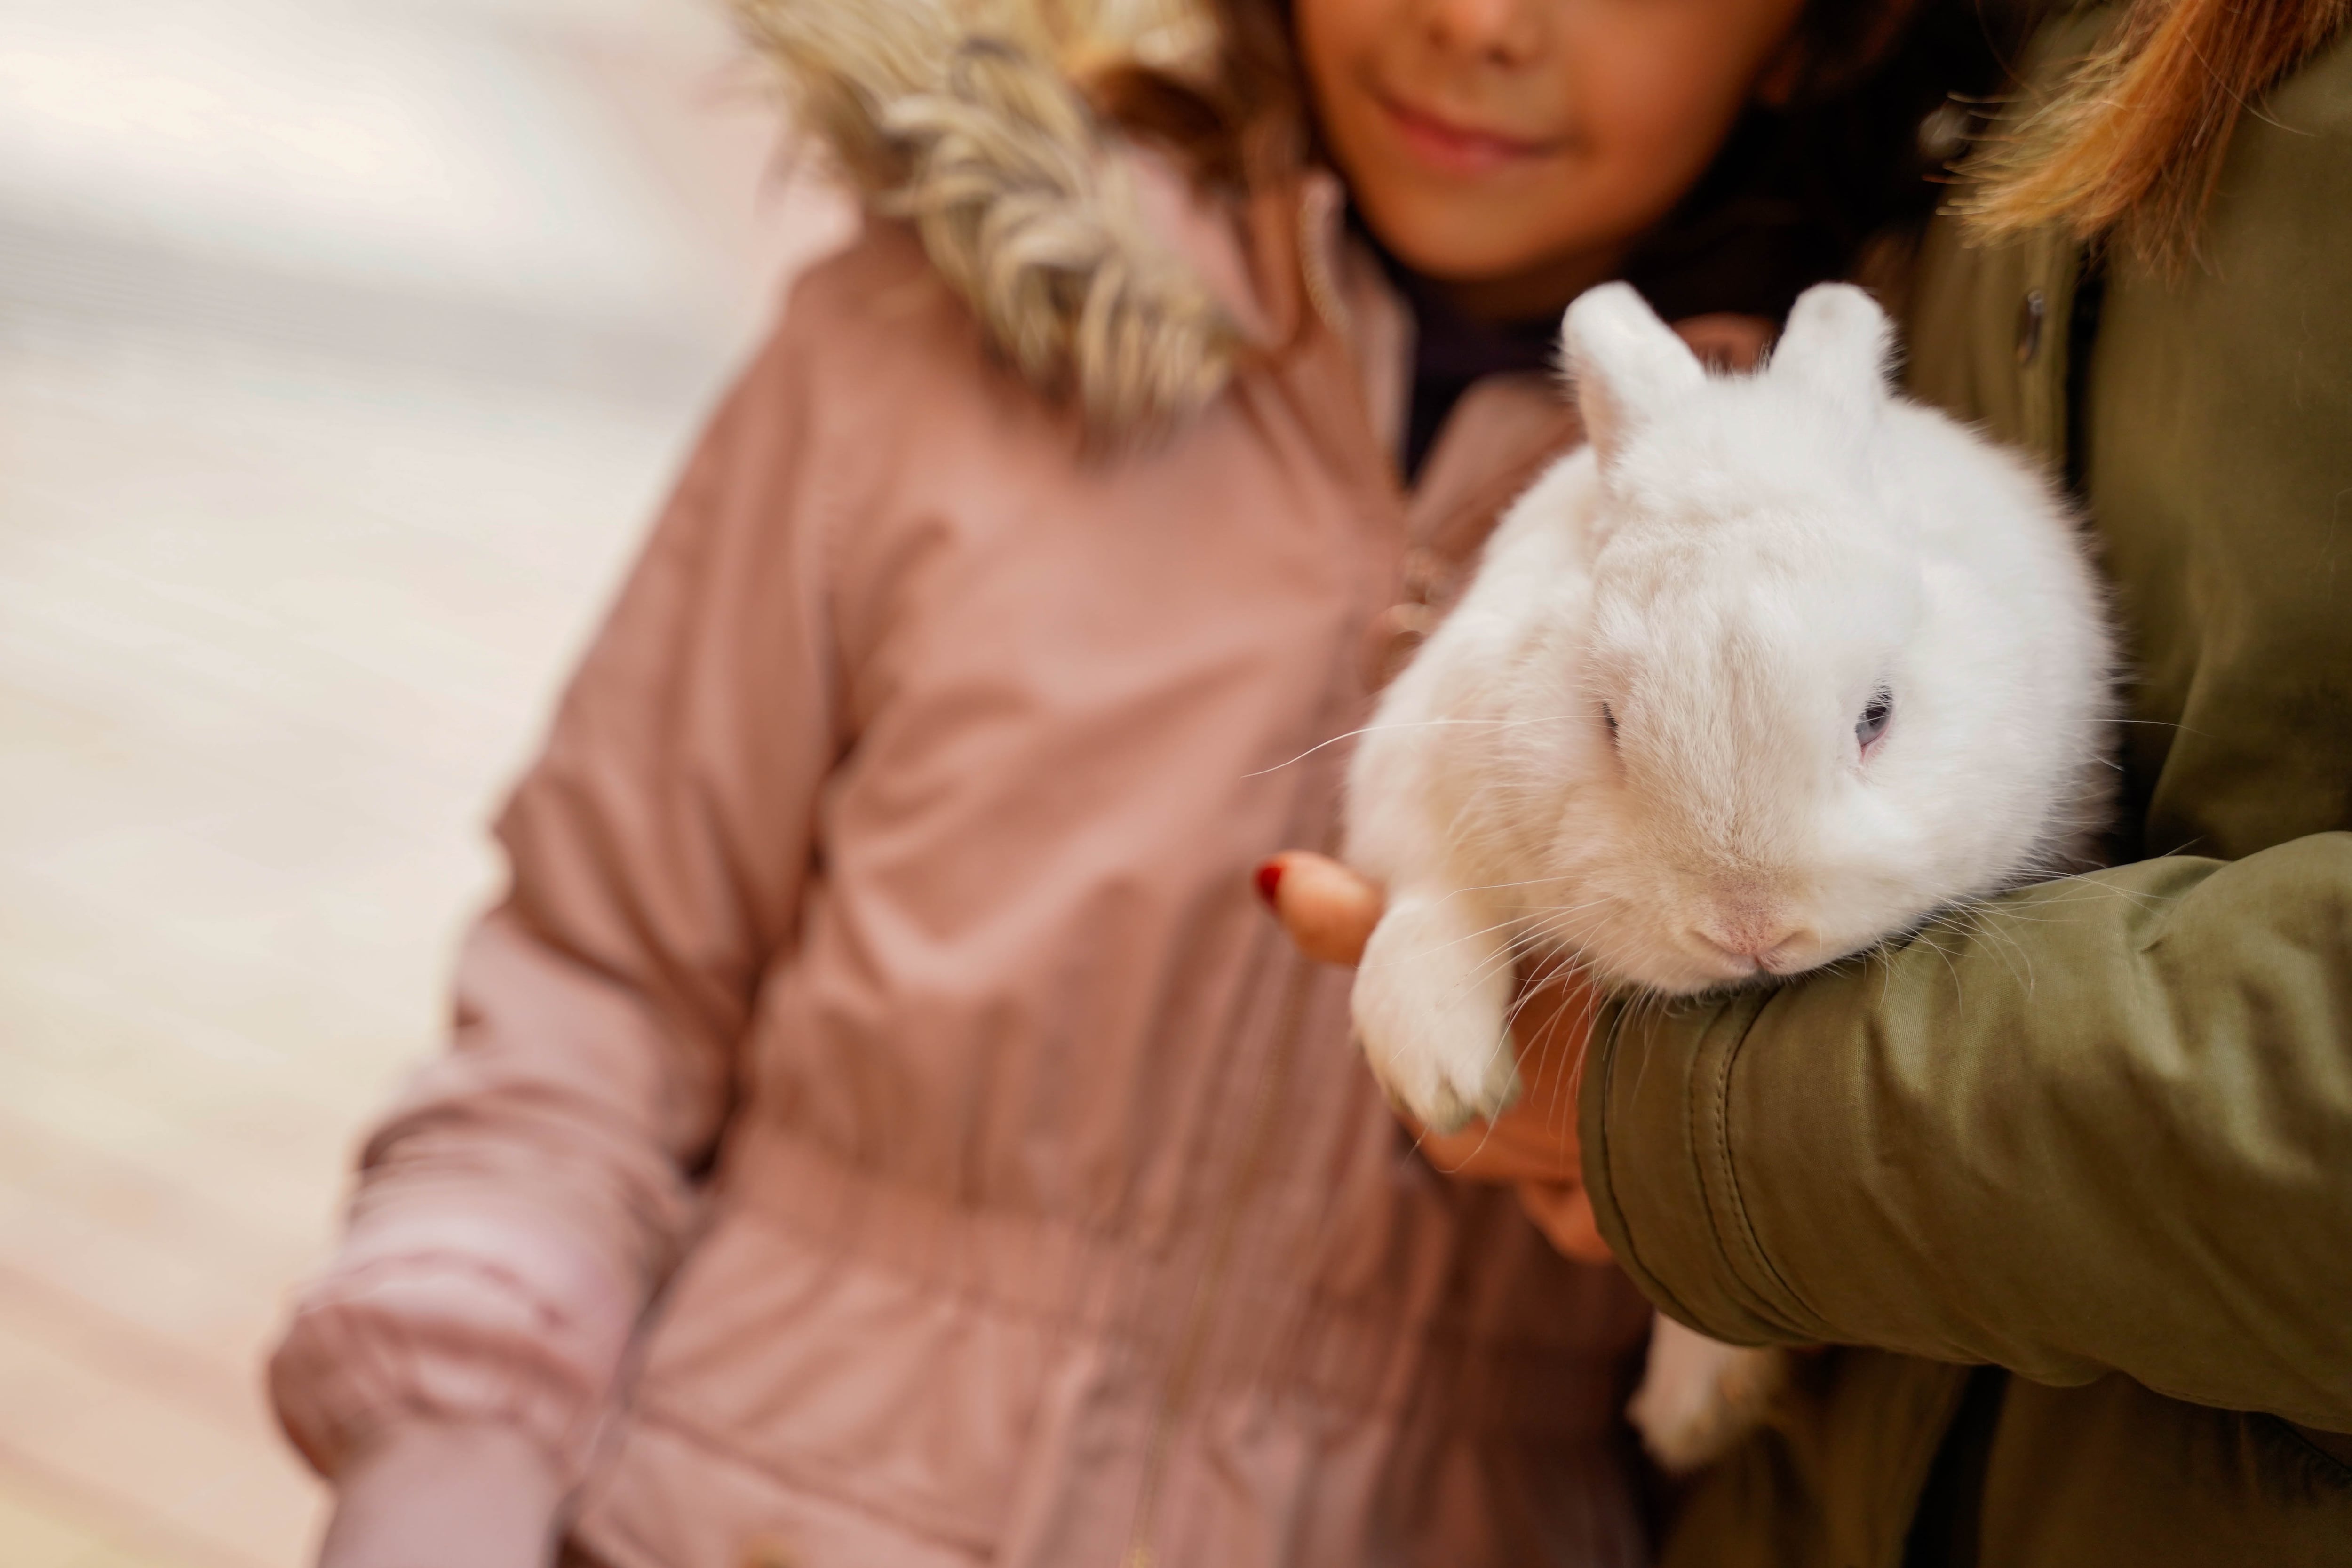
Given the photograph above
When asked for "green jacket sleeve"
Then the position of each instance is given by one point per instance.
(2103, 1124)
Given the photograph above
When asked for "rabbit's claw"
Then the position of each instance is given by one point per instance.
(1432, 1012)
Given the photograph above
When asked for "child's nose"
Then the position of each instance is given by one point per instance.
(1505, 32)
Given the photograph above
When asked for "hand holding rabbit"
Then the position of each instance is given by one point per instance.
(1329, 912)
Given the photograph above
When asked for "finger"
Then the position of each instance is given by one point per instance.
(1329, 910)
(1563, 1212)
(1516, 1147)
(1470, 1154)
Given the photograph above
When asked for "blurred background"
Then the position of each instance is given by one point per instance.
(345, 347)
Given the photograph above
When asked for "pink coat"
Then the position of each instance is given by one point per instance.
(881, 1128)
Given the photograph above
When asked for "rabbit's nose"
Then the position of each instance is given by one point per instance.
(1750, 942)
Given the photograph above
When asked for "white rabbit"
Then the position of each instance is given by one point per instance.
(1776, 668)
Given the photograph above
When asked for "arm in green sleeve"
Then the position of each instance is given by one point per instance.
(2099, 1125)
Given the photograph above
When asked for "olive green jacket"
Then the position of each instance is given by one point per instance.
(2099, 1136)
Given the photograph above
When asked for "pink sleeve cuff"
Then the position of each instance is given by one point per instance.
(470, 1315)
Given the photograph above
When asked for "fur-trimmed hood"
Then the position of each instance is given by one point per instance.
(963, 118)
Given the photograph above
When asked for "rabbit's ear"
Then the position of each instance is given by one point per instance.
(1838, 342)
(1626, 365)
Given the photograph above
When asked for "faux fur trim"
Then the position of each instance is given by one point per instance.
(963, 117)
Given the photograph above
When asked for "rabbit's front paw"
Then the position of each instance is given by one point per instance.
(1698, 1397)
(1432, 1009)
(1446, 1085)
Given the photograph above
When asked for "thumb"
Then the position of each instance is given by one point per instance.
(1329, 910)
(1563, 1212)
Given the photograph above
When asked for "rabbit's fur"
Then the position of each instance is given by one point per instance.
(1776, 668)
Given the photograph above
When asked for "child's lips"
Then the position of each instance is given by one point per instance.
(1458, 149)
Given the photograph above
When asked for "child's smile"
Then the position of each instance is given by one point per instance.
(1514, 148)
(1452, 147)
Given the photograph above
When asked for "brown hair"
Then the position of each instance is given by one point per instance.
(2131, 145)
(1237, 116)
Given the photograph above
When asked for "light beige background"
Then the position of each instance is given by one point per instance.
(344, 347)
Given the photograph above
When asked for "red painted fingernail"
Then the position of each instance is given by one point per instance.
(1269, 883)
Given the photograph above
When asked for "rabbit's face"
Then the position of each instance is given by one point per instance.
(1790, 734)
(1739, 811)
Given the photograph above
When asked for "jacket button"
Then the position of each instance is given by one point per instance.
(2030, 312)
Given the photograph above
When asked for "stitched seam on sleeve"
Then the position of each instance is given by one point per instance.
(1711, 1156)
(1646, 1278)
(1736, 1231)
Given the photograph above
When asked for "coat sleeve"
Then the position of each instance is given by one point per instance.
(535, 1185)
(2102, 1126)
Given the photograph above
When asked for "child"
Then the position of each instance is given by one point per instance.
(879, 1129)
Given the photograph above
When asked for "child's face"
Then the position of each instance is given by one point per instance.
(1515, 148)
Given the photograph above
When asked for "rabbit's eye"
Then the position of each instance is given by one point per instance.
(1609, 717)
(1875, 715)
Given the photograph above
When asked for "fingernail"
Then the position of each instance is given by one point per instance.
(1269, 883)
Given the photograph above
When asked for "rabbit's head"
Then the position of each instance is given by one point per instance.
(1803, 716)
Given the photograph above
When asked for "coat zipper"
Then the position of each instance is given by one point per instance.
(1324, 299)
